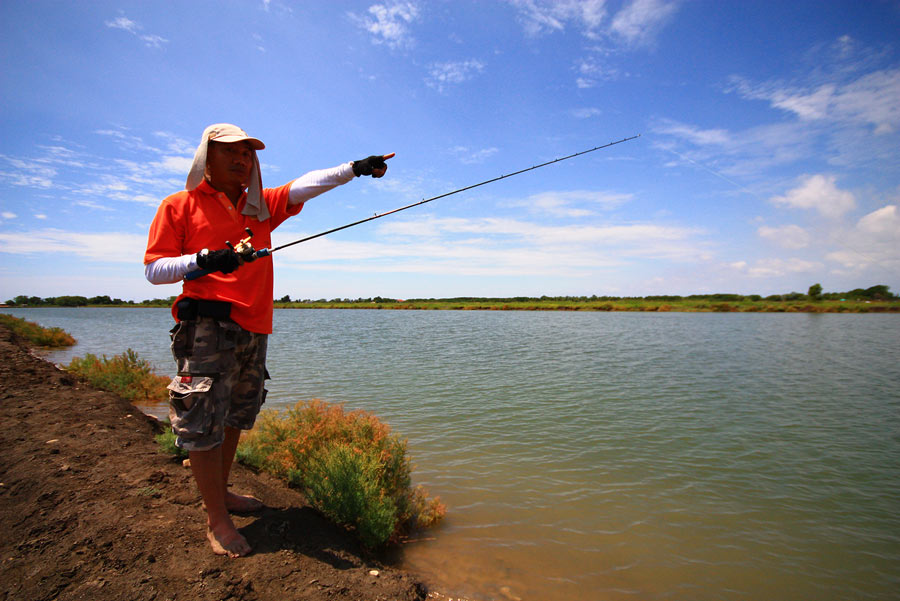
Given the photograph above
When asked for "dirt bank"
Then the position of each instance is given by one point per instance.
(89, 509)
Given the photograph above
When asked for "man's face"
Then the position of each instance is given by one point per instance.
(228, 165)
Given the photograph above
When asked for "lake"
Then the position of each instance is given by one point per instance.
(610, 455)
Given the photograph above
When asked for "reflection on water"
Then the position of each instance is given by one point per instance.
(612, 455)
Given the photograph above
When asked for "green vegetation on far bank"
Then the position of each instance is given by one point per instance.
(869, 300)
(875, 299)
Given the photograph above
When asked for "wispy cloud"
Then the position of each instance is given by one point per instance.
(693, 134)
(441, 75)
(572, 203)
(639, 22)
(134, 28)
(501, 247)
(870, 99)
(469, 156)
(389, 23)
(595, 69)
(93, 181)
(129, 248)
(547, 16)
(586, 112)
(823, 119)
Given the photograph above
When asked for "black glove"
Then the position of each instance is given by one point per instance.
(366, 166)
(224, 260)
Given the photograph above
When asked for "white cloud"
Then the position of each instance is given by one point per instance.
(132, 27)
(639, 22)
(389, 23)
(123, 23)
(818, 192)
(769, 268)
(873, 243)
(787, 236)
(884, 222)
(8, 215)
(441, 75)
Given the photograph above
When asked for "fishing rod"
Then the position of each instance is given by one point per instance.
(248, 253)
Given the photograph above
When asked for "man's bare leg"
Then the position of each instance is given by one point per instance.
(233, 501)
(207, 467)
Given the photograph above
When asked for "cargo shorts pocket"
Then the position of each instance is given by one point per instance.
(189, 410)
(182, 336)
(229, 333)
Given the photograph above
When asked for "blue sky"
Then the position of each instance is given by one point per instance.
(769, 156)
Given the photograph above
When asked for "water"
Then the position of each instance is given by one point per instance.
(611, 455)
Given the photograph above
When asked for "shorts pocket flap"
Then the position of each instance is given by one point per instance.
(185, 385)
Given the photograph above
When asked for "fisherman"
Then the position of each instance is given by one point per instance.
(223, 318)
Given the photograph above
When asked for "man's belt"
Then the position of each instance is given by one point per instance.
(192, 308)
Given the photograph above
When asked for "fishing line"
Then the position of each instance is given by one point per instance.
(249, 254)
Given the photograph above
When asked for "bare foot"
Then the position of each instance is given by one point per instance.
(242, 503)
(226, 540)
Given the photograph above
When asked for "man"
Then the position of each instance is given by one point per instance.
(223, 318)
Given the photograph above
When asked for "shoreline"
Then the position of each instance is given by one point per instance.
(623, 305)
(91, 509)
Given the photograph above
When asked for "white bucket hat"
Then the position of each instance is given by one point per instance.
(227, 133)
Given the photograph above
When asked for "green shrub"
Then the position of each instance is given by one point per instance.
(35, 334)
(126, 375)
(344, 484)
(349, 465)
(166, 442)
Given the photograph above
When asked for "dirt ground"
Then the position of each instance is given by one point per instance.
(90, 509)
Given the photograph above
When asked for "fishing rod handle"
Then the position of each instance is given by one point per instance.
(199, 273)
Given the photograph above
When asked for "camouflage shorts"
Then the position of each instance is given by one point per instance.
(220, 381)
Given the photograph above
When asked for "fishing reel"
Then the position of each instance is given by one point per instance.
(244, 249)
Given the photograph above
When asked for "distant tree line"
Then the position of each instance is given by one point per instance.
(880, 292)
(81, 301)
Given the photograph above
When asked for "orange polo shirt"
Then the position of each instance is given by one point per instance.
(189, 221)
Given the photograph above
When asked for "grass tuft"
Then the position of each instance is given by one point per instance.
(126, 375)
(350, 466)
